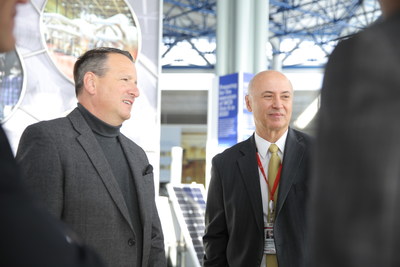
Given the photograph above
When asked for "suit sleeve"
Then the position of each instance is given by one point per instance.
(216, 236)
(41, 169)
(157, 253)
(154, 252)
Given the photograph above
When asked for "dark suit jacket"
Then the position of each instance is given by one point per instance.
(234, 233)
(63, 164)
(356, 186)
(29, 235)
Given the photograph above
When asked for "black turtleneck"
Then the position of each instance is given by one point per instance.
(108, 137)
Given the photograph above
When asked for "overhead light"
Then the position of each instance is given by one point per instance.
(308, 114)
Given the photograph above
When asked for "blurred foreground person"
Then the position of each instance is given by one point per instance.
(29, 236)
(356, 185)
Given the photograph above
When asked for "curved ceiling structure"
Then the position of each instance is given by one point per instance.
(295, 26)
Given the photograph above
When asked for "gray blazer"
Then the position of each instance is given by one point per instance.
(234, 233)
(64, 166)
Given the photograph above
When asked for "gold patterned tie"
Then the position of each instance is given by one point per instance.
(273, 167)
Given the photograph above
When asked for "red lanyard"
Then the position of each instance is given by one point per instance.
(278, 178)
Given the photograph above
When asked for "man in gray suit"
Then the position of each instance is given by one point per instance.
(356, 184)
(249, 220)
(89, 174)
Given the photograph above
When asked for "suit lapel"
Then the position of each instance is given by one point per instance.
(249, 173)
(294, 152)
(138, 162)
(90, 145)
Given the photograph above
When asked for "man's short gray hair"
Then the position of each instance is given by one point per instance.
(94, 61)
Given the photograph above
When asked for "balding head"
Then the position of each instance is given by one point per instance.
(268, 76)
(270, 99)
(389, 7)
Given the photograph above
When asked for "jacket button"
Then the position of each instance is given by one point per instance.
(131, 242)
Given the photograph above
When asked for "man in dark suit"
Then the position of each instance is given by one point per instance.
(249, 221)
(89, 174)
(355, 219)
(29, 235)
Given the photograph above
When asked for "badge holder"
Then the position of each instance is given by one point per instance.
(269, 241)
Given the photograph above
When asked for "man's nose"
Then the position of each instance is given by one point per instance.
(277, 102)
(134, 91)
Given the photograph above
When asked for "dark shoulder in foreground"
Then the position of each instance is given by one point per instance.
(302, 136)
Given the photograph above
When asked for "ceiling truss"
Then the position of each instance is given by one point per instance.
(321, 22)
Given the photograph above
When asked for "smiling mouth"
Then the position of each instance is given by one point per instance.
(127, 102)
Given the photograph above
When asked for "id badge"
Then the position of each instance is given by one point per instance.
(269, 241)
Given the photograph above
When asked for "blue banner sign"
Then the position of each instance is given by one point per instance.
(228, 110)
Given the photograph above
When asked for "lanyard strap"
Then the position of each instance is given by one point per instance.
(278, 178)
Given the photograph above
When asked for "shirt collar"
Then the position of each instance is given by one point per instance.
(263, 145)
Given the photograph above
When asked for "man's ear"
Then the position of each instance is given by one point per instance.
(248, 103)
(89, 82)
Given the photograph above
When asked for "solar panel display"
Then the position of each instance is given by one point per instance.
(189, 205)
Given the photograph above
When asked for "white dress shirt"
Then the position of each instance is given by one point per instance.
(262, 148)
